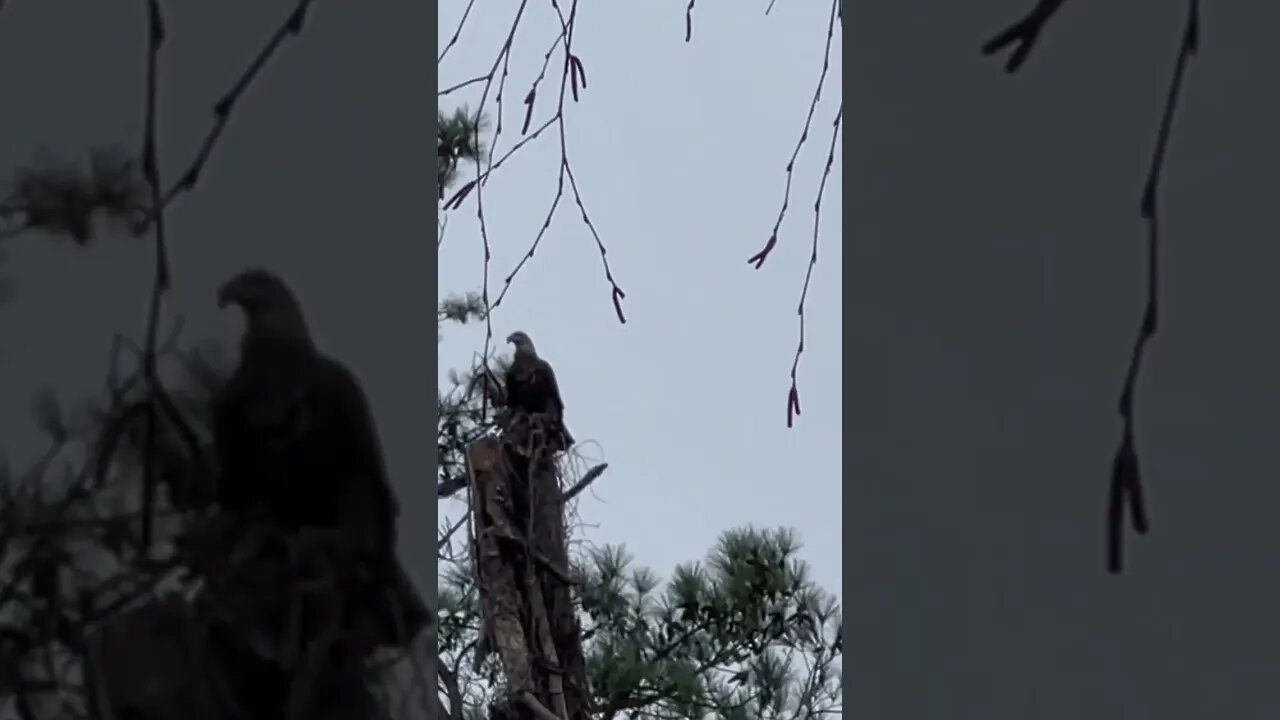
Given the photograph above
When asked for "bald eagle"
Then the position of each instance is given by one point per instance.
(531, 388)
(296, 441)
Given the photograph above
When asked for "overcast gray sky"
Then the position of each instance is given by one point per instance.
(995, 283)
(320, 175)
(679, 150)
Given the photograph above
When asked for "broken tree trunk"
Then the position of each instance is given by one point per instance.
(522, 572)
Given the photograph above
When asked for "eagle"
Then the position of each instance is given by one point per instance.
(531, 388)
(297, 445)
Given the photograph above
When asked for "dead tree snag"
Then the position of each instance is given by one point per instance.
(522, 572)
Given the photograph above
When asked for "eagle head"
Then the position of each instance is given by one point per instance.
(255, 290)
(524, 346)
(270, 308)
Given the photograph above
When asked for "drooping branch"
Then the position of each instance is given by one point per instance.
(1125, 490)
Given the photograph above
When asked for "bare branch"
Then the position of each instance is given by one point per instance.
(1023, 34)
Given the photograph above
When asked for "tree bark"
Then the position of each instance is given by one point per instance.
(522, 572)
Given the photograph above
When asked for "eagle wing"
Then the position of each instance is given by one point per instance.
(342, 436)
(236, 447)
(514, 382)
(319, 463)
(546, 379)
(550, 399)
(367, 500)
(340, 433)
(255, 419)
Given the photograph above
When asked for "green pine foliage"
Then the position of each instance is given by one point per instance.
(457, 139)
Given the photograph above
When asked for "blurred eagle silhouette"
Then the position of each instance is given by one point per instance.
(297, 446)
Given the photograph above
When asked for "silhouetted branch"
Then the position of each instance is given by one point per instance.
(457, 33)
(222, 110)
(160, 285)
(1023, 34)
(1126, 478)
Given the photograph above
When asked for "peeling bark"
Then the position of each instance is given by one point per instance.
(522, 572)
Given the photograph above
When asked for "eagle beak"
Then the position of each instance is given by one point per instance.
(226, 295)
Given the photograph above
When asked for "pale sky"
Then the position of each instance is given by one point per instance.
(679, 150)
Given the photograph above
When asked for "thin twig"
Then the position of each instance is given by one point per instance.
(457, 33)
(793, 395)
(160, 285)
(448, 534)
(757, 260)
(1023, 34)
(1126, 477)
(222, 110)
